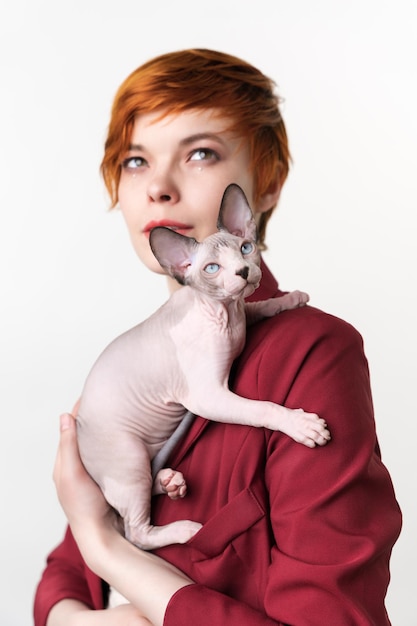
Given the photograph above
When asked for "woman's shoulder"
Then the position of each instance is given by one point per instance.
(305, 324)
(302, 328)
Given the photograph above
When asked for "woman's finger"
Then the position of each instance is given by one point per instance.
(67, 457)
(80, 496)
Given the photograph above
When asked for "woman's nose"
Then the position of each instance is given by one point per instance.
(162, 188)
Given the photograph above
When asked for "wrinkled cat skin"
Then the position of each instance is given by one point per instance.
(142, 384)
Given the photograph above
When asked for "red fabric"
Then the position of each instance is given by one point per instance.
(291, 535)
(66, 576)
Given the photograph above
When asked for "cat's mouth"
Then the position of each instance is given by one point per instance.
(178, 227)
(250, 288)
(244, 290)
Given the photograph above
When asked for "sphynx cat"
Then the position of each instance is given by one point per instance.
(141, 386)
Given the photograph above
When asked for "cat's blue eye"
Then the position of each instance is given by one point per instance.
(212, 268)
(247, 247)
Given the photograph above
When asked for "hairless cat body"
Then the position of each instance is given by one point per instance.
(144, 382)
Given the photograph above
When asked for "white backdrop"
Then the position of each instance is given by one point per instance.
(70, 282)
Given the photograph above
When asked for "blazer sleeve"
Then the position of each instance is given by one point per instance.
(66, 576)
(334, 516)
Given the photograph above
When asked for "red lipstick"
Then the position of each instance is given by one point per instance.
(177, 226)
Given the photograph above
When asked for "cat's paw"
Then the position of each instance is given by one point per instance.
(295, 299)
(148, 537)
(184, 530)
(274, 306)
(170, 482)
(308, 429)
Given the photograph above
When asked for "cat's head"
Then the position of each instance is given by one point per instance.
(224, 265)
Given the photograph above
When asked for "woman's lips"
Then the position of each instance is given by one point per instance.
(183, 229)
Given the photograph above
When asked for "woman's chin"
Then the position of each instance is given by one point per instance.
(150, 262)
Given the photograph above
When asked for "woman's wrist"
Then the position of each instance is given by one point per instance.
(96, 540)
(122, 565)
(68, 612)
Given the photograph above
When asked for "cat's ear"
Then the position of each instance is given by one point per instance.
(235, 214)
(174, 252)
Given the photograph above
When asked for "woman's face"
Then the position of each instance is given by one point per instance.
(175, 174)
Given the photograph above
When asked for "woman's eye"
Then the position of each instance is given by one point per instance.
(247, 247)
(133, 163)
(203, 154)
(212, 268)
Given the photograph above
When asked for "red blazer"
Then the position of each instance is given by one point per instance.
(291, 535)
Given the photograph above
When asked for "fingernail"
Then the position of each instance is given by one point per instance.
(65, 421)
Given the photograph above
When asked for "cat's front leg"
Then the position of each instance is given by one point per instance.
(256, 311)
(169, 482)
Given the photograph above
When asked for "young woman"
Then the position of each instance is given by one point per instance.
(290, 535)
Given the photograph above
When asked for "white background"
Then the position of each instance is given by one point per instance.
(345, 230)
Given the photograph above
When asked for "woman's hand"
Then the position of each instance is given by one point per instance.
(133, 572)
(81, 498)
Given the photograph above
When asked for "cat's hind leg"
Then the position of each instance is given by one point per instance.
(134, 502)
(120, 464)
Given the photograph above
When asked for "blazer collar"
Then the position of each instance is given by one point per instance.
(268, 287)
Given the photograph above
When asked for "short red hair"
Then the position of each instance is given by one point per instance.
(201, 79)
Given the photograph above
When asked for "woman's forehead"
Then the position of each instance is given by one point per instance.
(196, 120)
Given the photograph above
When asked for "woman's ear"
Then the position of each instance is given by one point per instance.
(269, 199)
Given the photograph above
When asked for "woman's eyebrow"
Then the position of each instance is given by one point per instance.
(199, 137)
(135, 147)
(183, 142)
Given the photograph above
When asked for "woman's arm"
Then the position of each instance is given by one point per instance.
(75, 613)
(64, 611)
(145, 580)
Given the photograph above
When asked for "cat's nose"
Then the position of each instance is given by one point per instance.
(244, 272)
